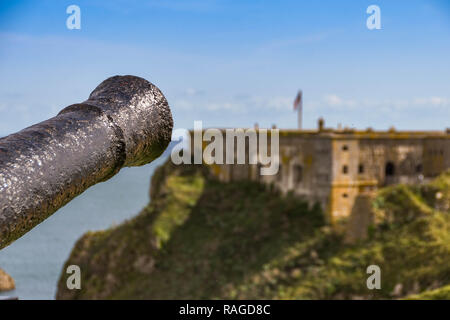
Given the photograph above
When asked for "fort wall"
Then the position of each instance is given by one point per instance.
(342, 169)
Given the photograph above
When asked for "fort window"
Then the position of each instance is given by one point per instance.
(298, 173)
(361, 168)
(390, 169)
(344, 147)
(419, 168)
(345, 195)
(344, 169)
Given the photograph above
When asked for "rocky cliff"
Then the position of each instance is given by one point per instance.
(201, 238)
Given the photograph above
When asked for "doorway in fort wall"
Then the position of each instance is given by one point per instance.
(389, 173)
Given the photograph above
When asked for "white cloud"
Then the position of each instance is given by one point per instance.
(193, 92)
(333, 100)
(336, 102)
(330, 102)
(433, 101)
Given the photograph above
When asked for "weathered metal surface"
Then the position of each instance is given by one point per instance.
(125, 122)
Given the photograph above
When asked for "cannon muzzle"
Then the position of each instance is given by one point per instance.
(125, 122)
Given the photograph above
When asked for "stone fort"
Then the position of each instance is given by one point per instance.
(342, 168)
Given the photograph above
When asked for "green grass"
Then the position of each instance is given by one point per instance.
(203, 239)
(437, 294)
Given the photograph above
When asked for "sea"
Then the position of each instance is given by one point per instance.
(35, 261)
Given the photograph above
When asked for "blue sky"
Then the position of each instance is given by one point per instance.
(234, 63)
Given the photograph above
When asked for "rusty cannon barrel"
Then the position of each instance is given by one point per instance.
(125, 122)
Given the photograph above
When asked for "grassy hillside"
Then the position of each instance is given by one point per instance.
(200, 238)
(437, 294)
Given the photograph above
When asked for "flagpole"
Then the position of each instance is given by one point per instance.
(300, 107)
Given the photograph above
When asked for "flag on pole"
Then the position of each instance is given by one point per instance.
(298, 100)
(298, 105)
